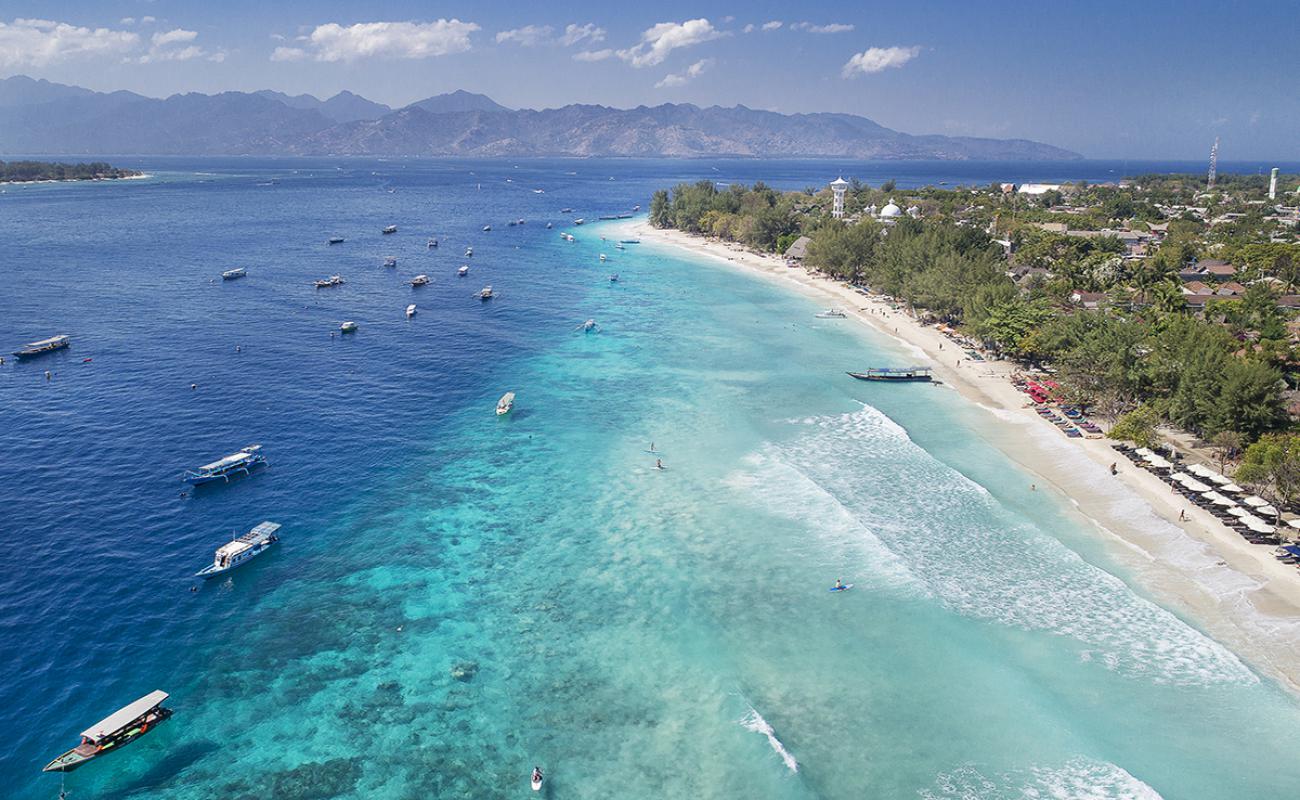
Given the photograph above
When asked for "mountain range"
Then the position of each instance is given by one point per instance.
(38, 117)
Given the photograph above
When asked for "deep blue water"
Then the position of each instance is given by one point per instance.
(458, 597)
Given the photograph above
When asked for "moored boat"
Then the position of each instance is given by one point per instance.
(486, 293)
(333, 280)
(831, 313)
(390, 229)
(232, 274)
(505, 404)
(117, 729)
(420, 280)
(604, 257)
(897, 374)
(243, 461)
(469, 252)
(390, 261)
(349, 327)
(33, 349)
(433, 243)
(629, 241)
(410, 311)
(240, 551)
(463, 271)
(335, 240)
(579, 221)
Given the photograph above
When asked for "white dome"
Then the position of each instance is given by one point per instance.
(914, 212)
(890, 210)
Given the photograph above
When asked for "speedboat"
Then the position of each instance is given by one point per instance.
(244, 461)
(589, 326)
(240, 551)
(232, 274)
(469, 252)
(463, 271)
(33, 349)
(391, 261)
(390, 229)
(348, 327)
(117, 729)
(485, 293)
(548, 226)
(420, 280)
(487, 228)
(333, 280)
(410, 311)
(506, 403)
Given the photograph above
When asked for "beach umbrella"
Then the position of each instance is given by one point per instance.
(1255, 501)
(1260, 526)
(1144, 452)
(1232, 488)
(1201, 470)
(1195, 485)
(1222, 480)
(1158, 463)
(1294, 523)
(1218, 499)
(1238, 511)
(1269, 510)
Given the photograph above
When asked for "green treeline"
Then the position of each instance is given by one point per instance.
(22, 171)
(1221, 370)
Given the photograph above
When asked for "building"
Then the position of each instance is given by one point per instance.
(1087, 299)
(798, 250)
(838, 186)
(1035, 189)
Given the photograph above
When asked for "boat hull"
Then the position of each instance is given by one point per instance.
(23, 355)
(78, 756)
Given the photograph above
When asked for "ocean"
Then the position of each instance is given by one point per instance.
(458, 597)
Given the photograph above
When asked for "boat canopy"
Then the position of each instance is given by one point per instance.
(53, 340)
(254, 537)
(124, 716)
(228, 461)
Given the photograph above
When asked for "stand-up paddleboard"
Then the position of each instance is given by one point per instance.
(537, 779)
(843, 588)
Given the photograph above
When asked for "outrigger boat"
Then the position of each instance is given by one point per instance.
(506, 403)
(420, 280)
(333, 280)
(898, 374)
(119, 728)
(349, 327)
(232, 274)
(243, 461)
(44, 346)
(240, 551)
(486, 293)
(335, 240)
(831, 313)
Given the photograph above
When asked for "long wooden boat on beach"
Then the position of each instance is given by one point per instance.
(896, 374)
(117, 729)
(34, 349)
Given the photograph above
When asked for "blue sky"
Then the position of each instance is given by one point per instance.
(1108, 79)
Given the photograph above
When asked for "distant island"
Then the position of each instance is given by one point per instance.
(37, 116)
(31, 171)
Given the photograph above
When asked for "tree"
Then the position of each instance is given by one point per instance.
(1250, 398)
(1227, 444)
(1137, 426)
(1273, 461)
(660, 211)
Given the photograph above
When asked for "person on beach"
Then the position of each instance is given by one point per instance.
(1182, 515)
(1113, 469)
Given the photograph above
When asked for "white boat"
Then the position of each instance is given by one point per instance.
(433, 243)
(548, 226)
(232, 274)
(487, 228)
(410, 311)
(333, 280)
(114, 731)
(420, 280)
(391, 261)
(579, 221)
(463, 271)
(603, 257)
(506, 403)
(469, 252)
(831, 313)
(589, 326)
(348, 327)
(485, 293)
(390, 229)
(242, 550)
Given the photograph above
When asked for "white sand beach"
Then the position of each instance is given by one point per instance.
(1237, 591)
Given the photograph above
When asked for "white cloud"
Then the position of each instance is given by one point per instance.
(147, 20)
(834, 27)
(334, 42)
(748, 28)
(690, 73)
(173, 36)
(773, 25)
(288, 54)
(161, 47)
(661, 39)
(126, 21)
(592, 55)
(528, 36)
(37, 42)
(878, 59)
(574, 33)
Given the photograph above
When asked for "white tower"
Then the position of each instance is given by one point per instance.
(838, 186)
(1214, 164)
(1272, 184)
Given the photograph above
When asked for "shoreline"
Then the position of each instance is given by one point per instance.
(1238, 592)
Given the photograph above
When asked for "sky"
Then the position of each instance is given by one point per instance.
(1155, 80)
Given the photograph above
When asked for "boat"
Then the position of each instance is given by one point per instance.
(122, 727)
(548, 226)
(519, 221)
(335, 240)
(566, 211)
(487, 228)
(410, 311)
(240, 551)
(579, 221)
(831, 313)
(615, 216)
(469, 252)
(899, 374)
(568, 237)
(589, 326)
(512, 223)
(232, 274)
(390, 261)
(506, 403)
(463, 271)
(333, 280)
(349, 327)
(390, 229)
(433, 243)
(629, 241)
(537, 779)
(33, 349)
(613, 278)
(485, 293)
(539, 191)
(636, 207)
(619, 246)
(244, 461)
(604, 257)
(420, 280)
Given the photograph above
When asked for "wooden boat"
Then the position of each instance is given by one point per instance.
(433, 243)
(240, 551)
(349, 327)
(233, 274)
(463, 271)
(506, 403)
(485, 293)
(335, 240)
(897, 374)
(420, 280)
(117, 729)
(243, 461)
(33, 349)
(410, 311)
(390, 229)
(831, 313)
(487, 228)
(391, 261)
(325, 283)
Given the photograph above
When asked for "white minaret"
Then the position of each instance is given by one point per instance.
(838, 186)
(1272, 184)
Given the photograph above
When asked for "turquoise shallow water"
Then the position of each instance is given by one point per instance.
(459, 597)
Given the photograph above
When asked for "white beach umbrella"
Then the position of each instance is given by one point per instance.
(1222, 480)
(1180, 477)
(1218, 499)
(1231, 487)
(1255, 501)
(1144, 452)
(1269, 510)
(1195, 485)
(1238, 511)
(1158, 463)
(1294, 523)
(1259, 526)
(1201, 470)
